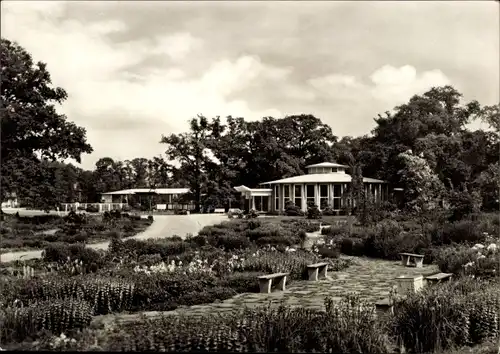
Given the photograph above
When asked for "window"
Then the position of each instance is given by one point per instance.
(323, 195)
(334, 169)
(286, 188)
(276, 197)
(298, 195)
(337, 195)
(310, 194)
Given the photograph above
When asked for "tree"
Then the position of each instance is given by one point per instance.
(491, 115)
(31, 127)
(488, 183)
(190, 149)
(436, 118)
(423, 190)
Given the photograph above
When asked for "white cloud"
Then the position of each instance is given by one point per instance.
(388, 85)
(177, 45)
(102, 90)
(399, 84)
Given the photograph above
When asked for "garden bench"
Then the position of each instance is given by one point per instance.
(314, 271)
(438, 278)
(266, 281)
(219, 210)
(408, 259)
(385, 306)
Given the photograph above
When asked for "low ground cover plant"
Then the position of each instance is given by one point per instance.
(272, 328)
(454, 314)
(43, 230)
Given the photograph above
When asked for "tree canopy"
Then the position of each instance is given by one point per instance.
(32, 129)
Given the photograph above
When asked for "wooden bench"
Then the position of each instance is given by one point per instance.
(317, 270)
(438, 278)
(384, 306)
(408, 259)
(266, 281)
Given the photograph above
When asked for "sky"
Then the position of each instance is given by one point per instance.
(137, 70)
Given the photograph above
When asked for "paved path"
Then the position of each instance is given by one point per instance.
(163, 226)
(371, 279)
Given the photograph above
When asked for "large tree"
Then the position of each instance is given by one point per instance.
(31, 128)
(191, 151)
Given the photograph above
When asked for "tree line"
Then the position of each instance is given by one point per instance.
(422, 146)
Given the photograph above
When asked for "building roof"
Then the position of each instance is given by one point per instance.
(327, 164)
(149, 190)
(322, 178)
(254, 191)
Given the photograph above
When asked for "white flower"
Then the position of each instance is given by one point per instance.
(492, 247)
(478, 246)
(481, 256)
(470, 264)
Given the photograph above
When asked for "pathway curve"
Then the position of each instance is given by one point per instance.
(163, 226)
(371, 279)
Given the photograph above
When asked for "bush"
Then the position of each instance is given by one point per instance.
(352, 246)
(233, 242)
(242, 282)
(150, 218)
(313, 212)
(292, 210)
(92, 209)
(464, 231)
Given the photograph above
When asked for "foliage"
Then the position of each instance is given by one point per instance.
(422, 187)
(263, 329)
(31, 127)
(292, 210)
(313, 212)
(45, 230)
(454, 314)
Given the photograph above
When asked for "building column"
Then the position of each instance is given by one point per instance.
(341, 195)
(316, 194)
(252, 204)
(330, 194)
(380, 192)
(282, 197)
(269, 201)
(303, 205)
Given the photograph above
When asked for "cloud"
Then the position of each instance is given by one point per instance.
(125, 104)
(387, 85)
(399, 84)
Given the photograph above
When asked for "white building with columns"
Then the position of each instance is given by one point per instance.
(324, 184)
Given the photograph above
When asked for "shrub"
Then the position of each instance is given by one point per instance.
(292, 210)
(150, 217)
(242, 282)
(61, 253)
(92, 209)
(352, 246)
(448, 315)
(313, 212)
(233, 242)
(464, 231)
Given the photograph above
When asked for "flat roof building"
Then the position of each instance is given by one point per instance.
(324, 185)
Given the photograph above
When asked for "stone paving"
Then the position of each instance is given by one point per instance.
(371, 279)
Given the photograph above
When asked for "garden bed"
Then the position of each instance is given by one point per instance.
(36, 232)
